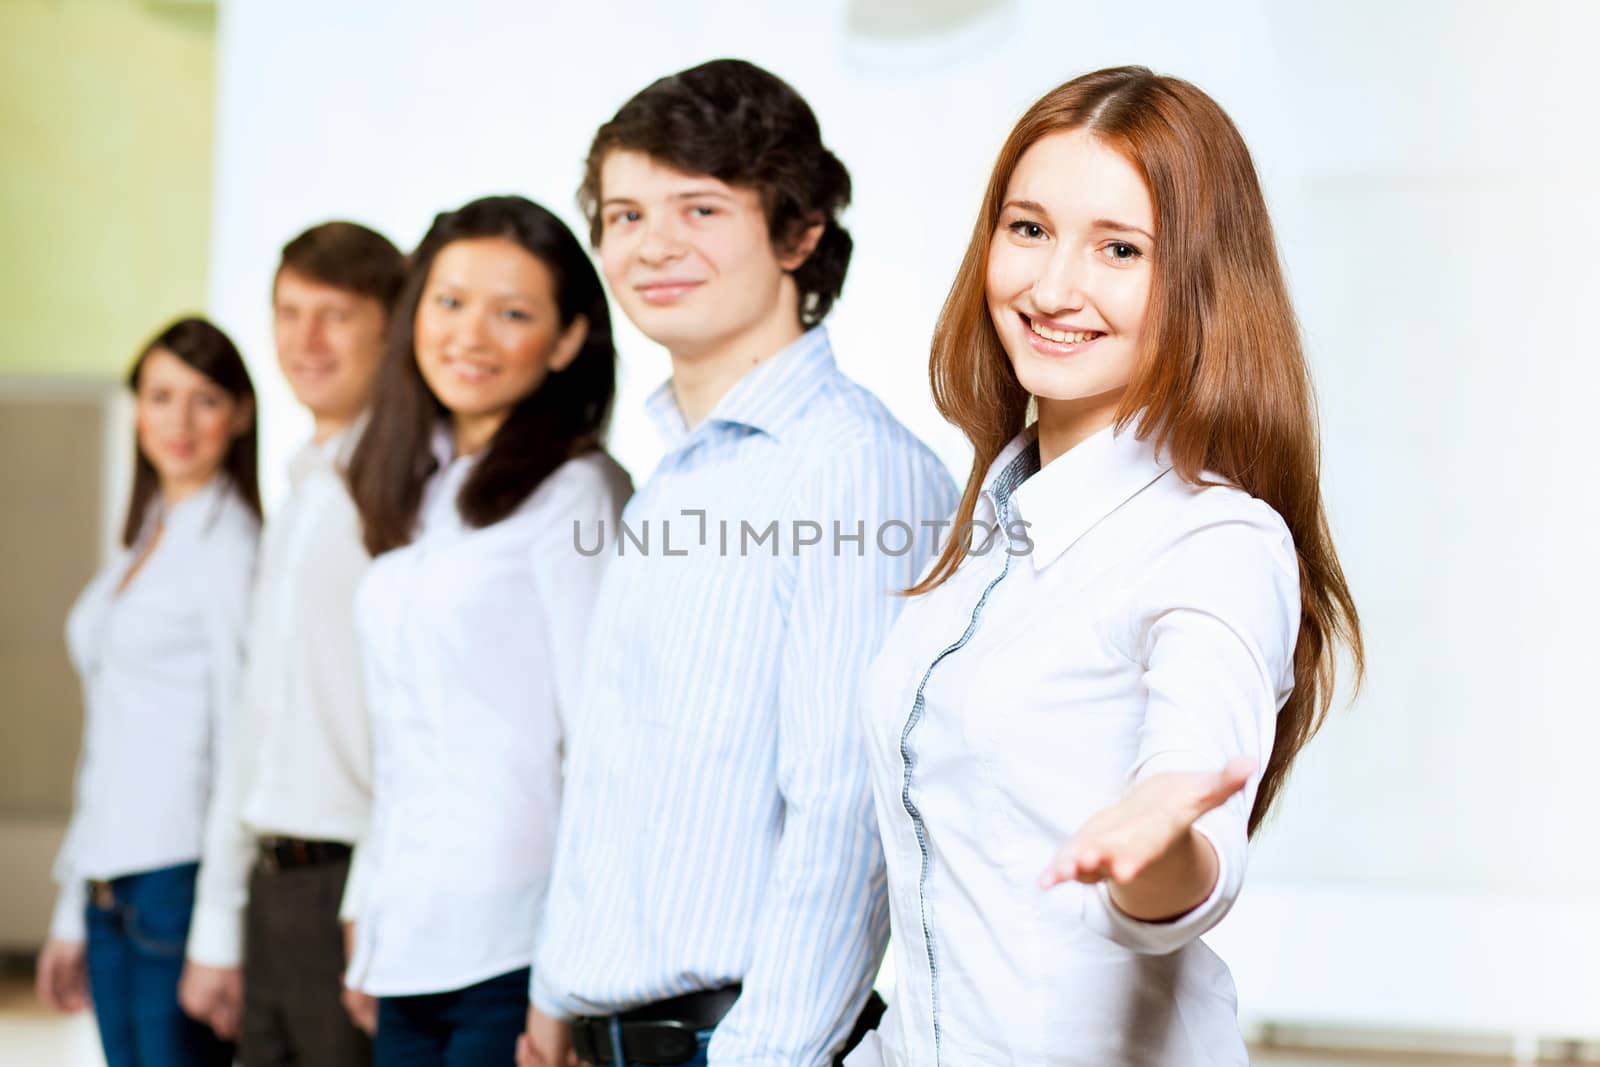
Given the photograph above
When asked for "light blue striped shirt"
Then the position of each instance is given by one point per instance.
(717, 823)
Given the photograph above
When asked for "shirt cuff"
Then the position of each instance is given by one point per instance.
(67, 922)
(355, 884)
(1160, 937)
(216, 936)
(547, 1002)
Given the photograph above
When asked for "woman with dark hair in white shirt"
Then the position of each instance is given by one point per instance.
(1093, 697)
(157, 638)
(481, 463)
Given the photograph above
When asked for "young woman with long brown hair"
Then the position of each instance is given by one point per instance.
(1107, 673)
(158, 639)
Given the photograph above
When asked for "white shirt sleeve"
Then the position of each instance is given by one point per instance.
(1215, 629)
(364, 858)
(587, 491)
(569, 583)
(224, 585)
(72, 895)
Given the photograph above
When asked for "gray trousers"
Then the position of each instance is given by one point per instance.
(293, 972)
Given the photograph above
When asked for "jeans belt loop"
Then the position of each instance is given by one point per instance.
(616, 1041)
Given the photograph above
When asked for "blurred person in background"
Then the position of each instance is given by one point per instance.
(295, 787)
(1071, 745)
(718, 889)
(484, 455)
(158, 640)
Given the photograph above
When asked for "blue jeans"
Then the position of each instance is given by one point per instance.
(472, 1027)
(135, 955)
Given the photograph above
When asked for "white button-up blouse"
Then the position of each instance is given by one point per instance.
(471, 640)
(1151, 628)
(160, 662)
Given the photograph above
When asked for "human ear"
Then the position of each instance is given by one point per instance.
(799, 247)
(569, 344)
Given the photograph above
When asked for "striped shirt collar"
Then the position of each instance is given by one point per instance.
(769, 399)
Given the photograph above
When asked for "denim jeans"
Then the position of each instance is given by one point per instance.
(135, 955)
(469, 1027)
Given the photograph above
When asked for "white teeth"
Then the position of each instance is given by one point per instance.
(1063, 337)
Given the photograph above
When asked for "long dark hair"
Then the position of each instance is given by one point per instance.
(565, 417)
(1222, 385)
(209, 351)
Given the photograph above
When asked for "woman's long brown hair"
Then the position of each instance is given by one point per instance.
(1221, 385)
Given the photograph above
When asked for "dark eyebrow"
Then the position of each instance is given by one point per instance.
(689, 194)
(494, 294)
(696, 194)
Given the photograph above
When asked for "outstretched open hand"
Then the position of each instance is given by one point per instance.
(1144, 844)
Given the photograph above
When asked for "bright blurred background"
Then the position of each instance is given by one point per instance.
(1432, 879)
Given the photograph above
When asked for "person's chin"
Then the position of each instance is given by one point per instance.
(474, 400)
(186, 470)
(672, 331)
(1045, 385)
(316, 395)
(685, 308)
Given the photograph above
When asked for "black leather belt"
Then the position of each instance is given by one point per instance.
(288, 853)
(662, 1032)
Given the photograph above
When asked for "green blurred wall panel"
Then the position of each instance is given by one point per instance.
(105, 190)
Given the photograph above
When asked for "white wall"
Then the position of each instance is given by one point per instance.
(1432, 169)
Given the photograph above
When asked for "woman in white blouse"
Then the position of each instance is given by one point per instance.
(480, 467)
(1094, 695)
(157, 638)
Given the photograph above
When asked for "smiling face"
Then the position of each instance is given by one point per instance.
(488, 331)
(690, 258)
(330, 342)
(184, 421)
(1069, 274)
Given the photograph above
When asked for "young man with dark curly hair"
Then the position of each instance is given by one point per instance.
(717, 894)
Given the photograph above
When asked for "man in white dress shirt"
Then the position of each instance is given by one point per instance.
(266, 949)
